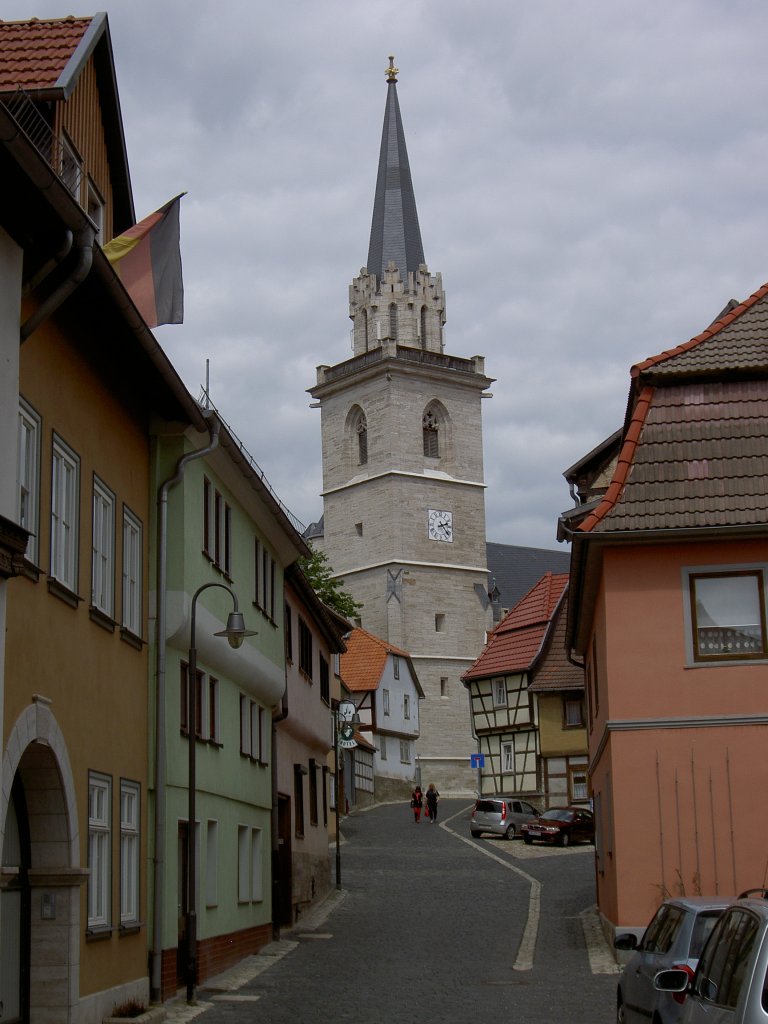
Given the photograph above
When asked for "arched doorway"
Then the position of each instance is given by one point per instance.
(42, 896)
(15, 911)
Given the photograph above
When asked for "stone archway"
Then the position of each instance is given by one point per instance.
(36, 757)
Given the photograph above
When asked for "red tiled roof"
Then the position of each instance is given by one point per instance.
(33, 54)
(737, 341)
(363, 662)
(624, 465)
(554, 671)
(517, 641)
(695, 448)
(702, 461)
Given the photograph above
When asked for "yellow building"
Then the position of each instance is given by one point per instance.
(83, 381)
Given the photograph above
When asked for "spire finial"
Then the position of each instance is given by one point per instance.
(392, 72)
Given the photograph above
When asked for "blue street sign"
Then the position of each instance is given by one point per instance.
(477, 760)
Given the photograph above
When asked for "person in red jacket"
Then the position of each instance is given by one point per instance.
(417, 802)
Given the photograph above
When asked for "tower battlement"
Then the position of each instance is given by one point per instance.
(409, 312)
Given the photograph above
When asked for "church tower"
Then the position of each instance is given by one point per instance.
(403, 490)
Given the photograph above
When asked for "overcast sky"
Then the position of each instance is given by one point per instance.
(590, 178)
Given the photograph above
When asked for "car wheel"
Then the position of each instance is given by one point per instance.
(527, 840)
(564, 839)
(621, 1017)
(476, 834)
(510, 833)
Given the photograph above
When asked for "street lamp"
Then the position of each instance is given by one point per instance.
(235, 633)
(346, 717)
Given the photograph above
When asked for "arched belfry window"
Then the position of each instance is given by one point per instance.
(423, 326)
(365, 328)
(362, 439)
(393, 322)
(429, 430)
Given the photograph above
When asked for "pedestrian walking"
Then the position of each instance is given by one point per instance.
(432, 798)
(417, 802)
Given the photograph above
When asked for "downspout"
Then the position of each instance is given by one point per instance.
(280, 717)
(214, 427)
(59, 295)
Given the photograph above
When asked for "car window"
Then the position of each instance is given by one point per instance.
(663, 929)
(527, 808)
(723, 965)
(702, 929)
(488, 806)
(516, 807)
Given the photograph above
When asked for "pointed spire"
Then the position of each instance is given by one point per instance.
(395, 233)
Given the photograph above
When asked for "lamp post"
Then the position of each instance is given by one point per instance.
(345, 712)
(235, 633)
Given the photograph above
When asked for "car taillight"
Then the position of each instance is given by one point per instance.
(679, 997)
(503, 812)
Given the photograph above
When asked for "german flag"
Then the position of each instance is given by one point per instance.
(147, 259)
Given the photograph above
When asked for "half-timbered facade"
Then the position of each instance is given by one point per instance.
(507, 710)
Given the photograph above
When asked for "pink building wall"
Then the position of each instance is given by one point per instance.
(681, 803)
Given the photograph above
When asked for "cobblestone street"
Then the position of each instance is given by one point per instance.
(431, 926)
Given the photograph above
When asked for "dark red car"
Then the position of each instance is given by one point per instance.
(561, 826)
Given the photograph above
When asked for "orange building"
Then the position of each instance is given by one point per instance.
(668, 612)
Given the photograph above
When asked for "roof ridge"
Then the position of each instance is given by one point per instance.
(385, 644)
(705, 335)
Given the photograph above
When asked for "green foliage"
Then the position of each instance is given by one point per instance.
(330, 591)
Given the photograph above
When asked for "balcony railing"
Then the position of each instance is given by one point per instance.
(57, 152)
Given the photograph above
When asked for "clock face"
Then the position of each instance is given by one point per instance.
(439, 525)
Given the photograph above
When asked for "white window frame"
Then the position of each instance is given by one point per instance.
(385, 701)
(405, 751)
(571, 704)
(95, 206)
(254, 725)
(28, 476)
(65, 506)
(382, 747)
(257, 865)
(71, 165)
(133, 557)
(212, 864)
(396, 666)
(103, 549)
(130, 843)
(579, 790)
(243, 864)
(99, 849)
(406, 706)
(499, 686)
(690, 575)
(508, 758)
(212, 708)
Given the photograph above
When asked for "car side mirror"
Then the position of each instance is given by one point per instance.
(673, 980)
(625, 941)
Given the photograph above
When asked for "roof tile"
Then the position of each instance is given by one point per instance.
(34, 53)
(517, 641)
(363, 662)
